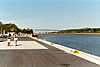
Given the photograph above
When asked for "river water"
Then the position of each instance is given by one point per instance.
(86, 43)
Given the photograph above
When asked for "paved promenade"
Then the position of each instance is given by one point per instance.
(32, 53)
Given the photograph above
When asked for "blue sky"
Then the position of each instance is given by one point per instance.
(51, 14)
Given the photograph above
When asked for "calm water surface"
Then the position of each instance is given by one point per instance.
(86, 43)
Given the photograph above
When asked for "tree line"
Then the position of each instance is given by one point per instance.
(82, 30)
(13, 28)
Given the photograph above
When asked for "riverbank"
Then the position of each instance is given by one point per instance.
(79, 42)
(96, 34)
(82, 55)
(40, 53)
(50, 34)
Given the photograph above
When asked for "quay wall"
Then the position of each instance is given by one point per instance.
(86, 56)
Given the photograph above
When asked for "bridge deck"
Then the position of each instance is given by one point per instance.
(51, 57)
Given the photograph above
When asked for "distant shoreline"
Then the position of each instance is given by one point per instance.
(46, 35)
(96, 34)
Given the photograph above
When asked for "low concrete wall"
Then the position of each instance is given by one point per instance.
(89, 57)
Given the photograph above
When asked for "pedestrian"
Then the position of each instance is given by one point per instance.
(8, 41)
(15, 39)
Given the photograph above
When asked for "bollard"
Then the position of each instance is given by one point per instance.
(52, 43)
(76, 52)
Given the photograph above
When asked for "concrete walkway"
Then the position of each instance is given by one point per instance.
(46, 56)
(21, 45)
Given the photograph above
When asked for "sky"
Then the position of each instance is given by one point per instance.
(51, 14)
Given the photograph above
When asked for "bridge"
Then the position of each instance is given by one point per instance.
(45, 30)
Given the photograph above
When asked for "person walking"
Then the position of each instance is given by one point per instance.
(9, 39)
(15, 39)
